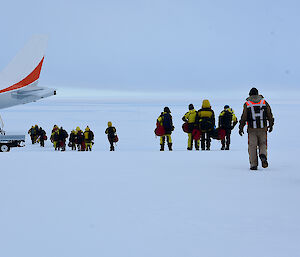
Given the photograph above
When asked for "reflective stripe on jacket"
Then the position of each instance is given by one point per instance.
(257, 113)
(256, 117)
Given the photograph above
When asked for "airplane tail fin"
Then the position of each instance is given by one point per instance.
(18, 81)
(25, 68)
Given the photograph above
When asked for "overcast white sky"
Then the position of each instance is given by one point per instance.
(159, 44)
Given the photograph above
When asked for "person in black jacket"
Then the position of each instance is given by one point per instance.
(72, 140)
(227, 121)
(63, 135)
(111, 135)
(165, 120)
(42, 137)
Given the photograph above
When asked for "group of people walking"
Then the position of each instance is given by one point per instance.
(78, 139)
(37, 135)
(200, 127)
(58, 138)
(81, 140)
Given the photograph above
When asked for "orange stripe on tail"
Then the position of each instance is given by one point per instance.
(32, 77)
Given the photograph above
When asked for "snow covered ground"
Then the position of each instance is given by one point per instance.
(138, 201)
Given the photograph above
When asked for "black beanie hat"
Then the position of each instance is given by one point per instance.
(167, 110)
(191, 107)
(253, 91)
(226, 106)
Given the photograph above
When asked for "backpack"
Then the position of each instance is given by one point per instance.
(206, 124)
(226, 119)
(79, 137)
(111, 132)
(167, 122)
(56, 136)
(90, 136)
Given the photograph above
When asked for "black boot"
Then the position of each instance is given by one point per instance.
(253, 168)
(162, 147)
(170, 146)
(227, 147)
(264, 162)
(202, 145)
(112, 148)
(208, 144)
(196, 145)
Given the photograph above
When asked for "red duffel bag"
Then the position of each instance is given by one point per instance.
(221, 133)
(196, 134)
(160, 130)
(116, 139)
(218, 134)
(185, 127)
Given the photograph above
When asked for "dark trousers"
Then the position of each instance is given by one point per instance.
(226, 140)
(73, 145)
(111, 141)
(205, 140)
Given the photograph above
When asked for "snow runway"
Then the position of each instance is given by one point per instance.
(138, 201)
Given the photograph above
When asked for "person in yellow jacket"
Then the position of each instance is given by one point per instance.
(55, 127)
(207, 123)
(88, 138)
(32, 133)
(227, 121)
(191, 118)
(55, 139)
(165, 120)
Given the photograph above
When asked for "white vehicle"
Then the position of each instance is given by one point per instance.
(9, 141)
(18, 81)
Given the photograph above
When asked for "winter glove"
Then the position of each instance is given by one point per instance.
(270, 129)
(173, 128)
(241, 131)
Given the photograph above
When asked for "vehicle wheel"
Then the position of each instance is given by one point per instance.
(4, 148)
